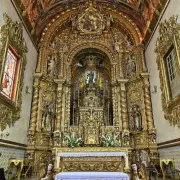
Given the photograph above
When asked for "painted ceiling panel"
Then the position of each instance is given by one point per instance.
(40, 12)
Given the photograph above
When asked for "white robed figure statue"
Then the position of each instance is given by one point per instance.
(48, 114)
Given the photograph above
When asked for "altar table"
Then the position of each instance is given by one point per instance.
(91, 154)
(92, 176)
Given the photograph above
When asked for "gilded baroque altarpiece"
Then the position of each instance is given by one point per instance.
(91, 81)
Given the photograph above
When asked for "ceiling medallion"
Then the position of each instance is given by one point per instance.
(91, 21)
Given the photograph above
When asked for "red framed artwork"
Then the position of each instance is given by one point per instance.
(10, 74)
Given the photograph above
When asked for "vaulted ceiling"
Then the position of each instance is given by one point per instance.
(38, 13)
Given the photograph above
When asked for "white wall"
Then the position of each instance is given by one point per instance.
(165, 132)
(18, 133)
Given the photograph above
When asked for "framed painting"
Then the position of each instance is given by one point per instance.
(10, 74)
(13, 51)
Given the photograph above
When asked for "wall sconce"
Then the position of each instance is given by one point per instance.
(154, 90)
(27, 90)
(3, 135)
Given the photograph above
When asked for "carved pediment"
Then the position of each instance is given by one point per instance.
(91, 21)
(168, 30)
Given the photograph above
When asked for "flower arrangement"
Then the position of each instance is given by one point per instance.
(110, 141)
(73, 141)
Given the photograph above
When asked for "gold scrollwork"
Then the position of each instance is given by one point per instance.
(169, 36)
(11, 34)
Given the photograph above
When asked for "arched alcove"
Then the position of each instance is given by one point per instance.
(91, 94)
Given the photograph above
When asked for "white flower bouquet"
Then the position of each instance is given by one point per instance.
(110, 141)
(73, 141)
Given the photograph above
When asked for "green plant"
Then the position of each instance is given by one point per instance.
(110, 141)
(73, 141)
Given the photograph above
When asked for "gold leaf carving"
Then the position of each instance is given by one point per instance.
(168, 36)
(11, 33)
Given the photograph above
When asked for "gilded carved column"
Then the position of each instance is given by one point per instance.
(57, 133)
(147, 102)
(34, 110)
(121, 75)
(113, 71)
(67, 107)
(148, 112)
(115, 113)
(124, 115)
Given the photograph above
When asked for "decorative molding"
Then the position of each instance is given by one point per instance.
(171, 143)
(168, 36)
(11, 34)
(11, 144)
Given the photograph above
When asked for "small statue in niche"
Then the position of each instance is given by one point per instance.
(90, 77)
(144, 159)
(48, 114)
(53, 44)
(137, 121)
(131, 66)
(73, 21)
(116, 46)
(152, 137)
(51, 66)
(109, 19)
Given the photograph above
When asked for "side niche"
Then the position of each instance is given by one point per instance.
(168, 61)
(13, 51)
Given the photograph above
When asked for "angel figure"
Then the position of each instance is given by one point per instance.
(51, 65)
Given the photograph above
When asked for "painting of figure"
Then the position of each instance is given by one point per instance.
(9, 74)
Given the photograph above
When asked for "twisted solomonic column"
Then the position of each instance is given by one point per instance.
(148, 112)
(147, 102)
(124, 114)
(57, 134)
(34, 109)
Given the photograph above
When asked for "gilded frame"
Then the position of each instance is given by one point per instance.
(169, 35)
(11, 35)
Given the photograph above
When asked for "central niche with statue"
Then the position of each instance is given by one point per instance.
(91, 98)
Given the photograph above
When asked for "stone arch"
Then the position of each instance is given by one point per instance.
(94, 45)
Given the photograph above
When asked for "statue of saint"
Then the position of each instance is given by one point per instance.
(137, 121)
(51, 66)
(116, 46)
(131, 66)
(90, 77)
(48, 113)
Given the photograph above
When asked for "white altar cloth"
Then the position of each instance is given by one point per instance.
(92, 176)
(90, 154)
